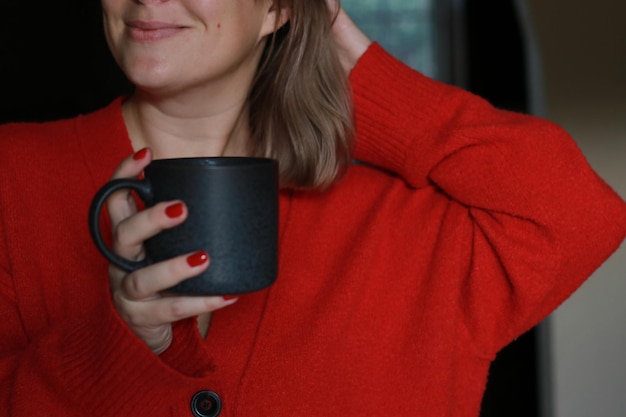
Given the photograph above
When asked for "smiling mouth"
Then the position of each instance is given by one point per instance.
(152, 31)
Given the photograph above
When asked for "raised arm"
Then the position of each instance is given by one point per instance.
(350, 40)
(542, 220)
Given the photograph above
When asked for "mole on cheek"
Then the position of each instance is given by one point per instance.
(219, 25)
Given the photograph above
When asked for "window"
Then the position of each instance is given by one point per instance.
(405, 28)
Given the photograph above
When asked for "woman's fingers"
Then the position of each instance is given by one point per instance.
(151, 319)
(151, 314)
(140, 302)
(130, 233)
(351, 42)
(120, 204)
(133, 165)
(147, 282)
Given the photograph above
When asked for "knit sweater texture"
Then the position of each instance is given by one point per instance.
(463, 227)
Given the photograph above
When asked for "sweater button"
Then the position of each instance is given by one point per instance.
(206, 404)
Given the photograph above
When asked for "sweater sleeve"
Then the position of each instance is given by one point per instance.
(68, 361)
(89, 365)
(542, 220)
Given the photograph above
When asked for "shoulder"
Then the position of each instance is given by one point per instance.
(22, 143)
(22, 134)
(39, 158)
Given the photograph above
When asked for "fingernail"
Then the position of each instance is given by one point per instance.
(140, 154)
(197, 259)
(174, 210)
(230, 297)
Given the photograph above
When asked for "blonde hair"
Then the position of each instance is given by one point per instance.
(300, 103)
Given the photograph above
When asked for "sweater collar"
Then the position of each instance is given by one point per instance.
(104, 140)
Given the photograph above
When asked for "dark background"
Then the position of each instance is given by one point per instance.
(54, 62)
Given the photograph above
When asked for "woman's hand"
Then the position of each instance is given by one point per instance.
(137, 295)
(350, 40)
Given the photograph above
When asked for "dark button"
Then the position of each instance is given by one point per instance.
(206, 404)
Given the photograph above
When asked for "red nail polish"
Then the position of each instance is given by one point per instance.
(197, 259)
(230, 297)
(175, 210)
(140, 154)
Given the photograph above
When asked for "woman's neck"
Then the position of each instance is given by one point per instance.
(176, 127)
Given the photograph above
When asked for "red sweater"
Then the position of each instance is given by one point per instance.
(397, 287)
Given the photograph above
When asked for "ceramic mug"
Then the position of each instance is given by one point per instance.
(233, 215)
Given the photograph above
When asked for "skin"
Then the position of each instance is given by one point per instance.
(350, 40)
(186, 104)
(191, 73)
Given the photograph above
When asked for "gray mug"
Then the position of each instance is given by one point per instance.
(233, 215)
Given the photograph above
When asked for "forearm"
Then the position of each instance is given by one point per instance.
(542, 221)
(350, 41)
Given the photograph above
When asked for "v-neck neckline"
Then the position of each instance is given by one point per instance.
(103, 156)
(233, 331)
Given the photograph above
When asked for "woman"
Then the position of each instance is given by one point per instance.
(400, 278)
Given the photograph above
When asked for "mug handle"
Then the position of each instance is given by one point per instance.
(144, 190)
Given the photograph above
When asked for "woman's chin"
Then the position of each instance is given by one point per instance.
(148, 73)
(153, 84)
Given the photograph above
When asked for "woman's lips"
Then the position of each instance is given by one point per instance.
(152, 31)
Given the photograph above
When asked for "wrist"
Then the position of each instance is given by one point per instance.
(350, 41)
